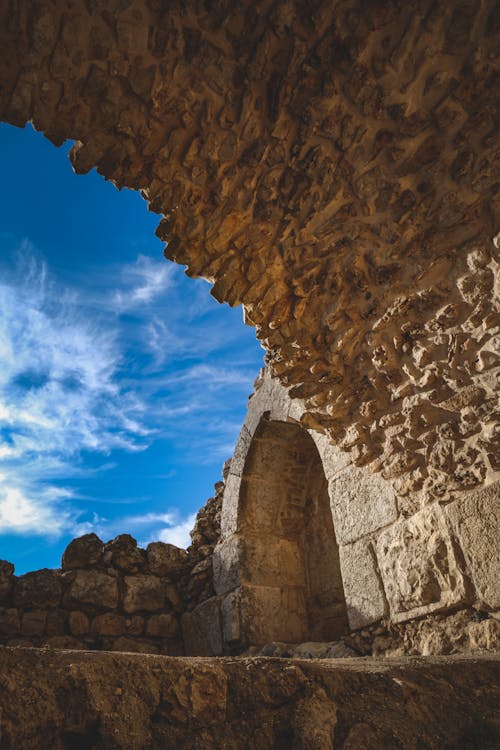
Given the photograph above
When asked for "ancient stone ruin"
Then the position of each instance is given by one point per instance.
(333, 167)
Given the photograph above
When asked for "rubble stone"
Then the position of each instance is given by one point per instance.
(84, 552)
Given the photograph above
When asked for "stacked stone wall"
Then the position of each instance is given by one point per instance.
(114, 596)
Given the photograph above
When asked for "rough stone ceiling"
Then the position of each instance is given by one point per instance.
(331, 165)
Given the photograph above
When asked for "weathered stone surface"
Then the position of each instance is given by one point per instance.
(92, 587)
(123, 553)
(202, 629)
(419, 567)
(78, 623)
(361, 503)
(42, 588)
(475, 520)
(304, 197)
(165, 559)
(162, 626)
(108, 624)
(58, 700)
(84, 552)
(272, 613)
(362, 586)
(33, 623)
(10, 623)
(143, 593)
(6, 578)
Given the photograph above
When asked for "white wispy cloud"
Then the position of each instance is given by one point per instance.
(113, 364)
(59, 394)
(142, 282)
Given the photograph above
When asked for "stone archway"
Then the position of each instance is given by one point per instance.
(291, 570)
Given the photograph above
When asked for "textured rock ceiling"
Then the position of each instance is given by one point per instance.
(331, 165)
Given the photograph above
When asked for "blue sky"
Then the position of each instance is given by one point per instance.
(123, 384)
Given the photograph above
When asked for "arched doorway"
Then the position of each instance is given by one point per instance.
(290, 571)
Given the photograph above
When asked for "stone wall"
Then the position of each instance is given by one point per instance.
(332, 166)
(400, 556)
(114, 596)
(298, 545)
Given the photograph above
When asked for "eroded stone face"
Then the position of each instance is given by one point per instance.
(332, 167)
(363, 589)
(475, 520)
(419, 567)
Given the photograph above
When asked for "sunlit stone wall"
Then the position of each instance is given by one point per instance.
(331, 165)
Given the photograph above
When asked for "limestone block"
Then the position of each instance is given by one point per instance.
(240, 452)
(227, 564)
(56, 622)
(361, 502)
(202, 629)
(109, 623)
(78, 623)
(230, 503)
(165, 559)
(162, 626)
(83, 552)
(123, 553)
(92, 587)
(419, 568)
(279, 402)
(272, 613)
(296, 410)
(259, 403)
(332, 459)
(363, 591)
(475, 522)
(272, 561)
(143, 593)
(42, 588)
(33, 623)
(231, 618)
(485, 635)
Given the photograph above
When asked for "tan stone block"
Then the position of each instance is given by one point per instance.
(363, 590)
(240, 452)
(10, 623)
(40, 588)
(272, 561)
(33, 623)
(162, 626)
(134, 625)
(78, 623)
(361, 502)
(165, 559)
(202, 629)
(485, 635)
(231, 617)
(333, 459)
(419, 567)
(108, 624)
(56, 622)
(280, 402)
(227, 564)
(230, 505)
(475, 522)
(272, 614)
(92, 587)
(143, 593)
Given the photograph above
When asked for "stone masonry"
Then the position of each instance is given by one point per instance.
(332, 166)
